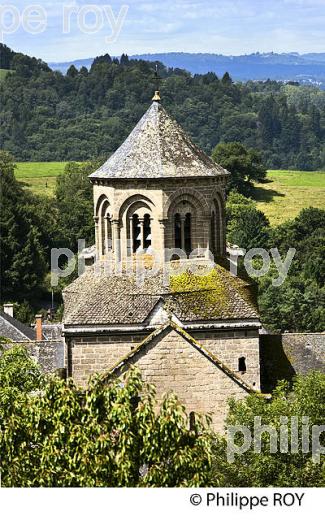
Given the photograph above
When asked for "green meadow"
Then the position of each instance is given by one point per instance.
(287, 192)
(3, 73)
(40, 177)
(281, 197)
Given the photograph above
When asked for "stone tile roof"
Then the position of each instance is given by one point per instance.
(285, 355)
(13, 329)
(98, 299)
(158, 148)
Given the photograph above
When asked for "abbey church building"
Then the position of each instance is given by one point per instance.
(161, 200)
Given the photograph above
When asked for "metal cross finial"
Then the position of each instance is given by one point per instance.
(157, 81)
(157, 78)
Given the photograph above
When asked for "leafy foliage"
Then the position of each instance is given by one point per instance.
(247, 226)
(23, 263)
(289, 469)
(298, 304)
(108, 435)
(74, 203)
(115, 434)
(245, 165)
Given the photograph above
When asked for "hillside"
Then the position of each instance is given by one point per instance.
(286, 193)
(304, 68)
(39, 177)
(87, 114)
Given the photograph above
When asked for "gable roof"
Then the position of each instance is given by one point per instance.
(204, 351)
(158, 148)
(96, 298)
(13, 329)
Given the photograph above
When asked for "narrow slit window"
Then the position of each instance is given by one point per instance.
(242, 364)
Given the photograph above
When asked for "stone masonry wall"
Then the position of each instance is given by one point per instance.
(229, 347)
(91, 355)
(172, 364)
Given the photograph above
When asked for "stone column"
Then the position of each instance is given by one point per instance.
(107, 221)
(141, 222)
(161, 243)
(183, 232)
(131, 235)
(96, 220)
(116, 239)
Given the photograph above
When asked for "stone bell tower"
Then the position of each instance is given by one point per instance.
(159, 191)
(191, 332)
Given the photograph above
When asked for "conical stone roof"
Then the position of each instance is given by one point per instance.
(158, 148)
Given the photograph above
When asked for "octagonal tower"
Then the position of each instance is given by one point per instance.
(159, 191)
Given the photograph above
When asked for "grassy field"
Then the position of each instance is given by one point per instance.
(287, 192)
(40, 177)
(281, 198)
(3, 73)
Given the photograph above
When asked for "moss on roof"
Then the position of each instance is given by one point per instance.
(214, 294)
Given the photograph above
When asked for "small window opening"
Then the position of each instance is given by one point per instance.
(242, 364)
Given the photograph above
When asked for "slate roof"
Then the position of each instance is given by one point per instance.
(158, 148)
(97, 299)
(13, 329)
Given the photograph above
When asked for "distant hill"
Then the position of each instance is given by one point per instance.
(87, 114)
(305, 68)
(65, 65)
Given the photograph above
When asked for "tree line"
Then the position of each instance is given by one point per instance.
(48, 116)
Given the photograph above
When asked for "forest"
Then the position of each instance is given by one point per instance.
(83, 115)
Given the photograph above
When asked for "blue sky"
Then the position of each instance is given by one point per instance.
(219, 26)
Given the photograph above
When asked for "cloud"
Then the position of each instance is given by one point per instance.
(225, 26)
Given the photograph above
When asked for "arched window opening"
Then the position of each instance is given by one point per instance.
(107, 234)
(242, 364)
(104, 227)
(136, 233)
(147, 231)
(178, 231)
(188, 233)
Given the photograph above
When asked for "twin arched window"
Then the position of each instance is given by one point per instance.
(140, 232)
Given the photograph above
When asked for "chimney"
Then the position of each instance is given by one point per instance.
(38, 327)
(8, 308)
